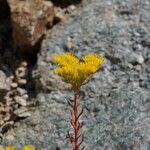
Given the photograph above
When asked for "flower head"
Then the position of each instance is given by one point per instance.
(28, 148)
(65, 59)
(2, 148)
(10, 148)
(74, 70)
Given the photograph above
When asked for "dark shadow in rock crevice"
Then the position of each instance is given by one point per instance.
(65, 3)
(8, 54)
(4, 9)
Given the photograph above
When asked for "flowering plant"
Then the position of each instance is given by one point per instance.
(76, 72)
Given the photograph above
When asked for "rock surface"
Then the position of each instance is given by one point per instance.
(29, 21)
(117, 99)
(4, 82)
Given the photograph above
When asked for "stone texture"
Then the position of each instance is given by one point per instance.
(116, 100)
(14, 101)
(4, 81)
(29, 19)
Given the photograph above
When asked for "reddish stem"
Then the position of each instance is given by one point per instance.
(75, 110)
(76, 125)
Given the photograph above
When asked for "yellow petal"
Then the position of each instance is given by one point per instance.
(10, 148)
(2, 148)
(65, 59)
(28, 148)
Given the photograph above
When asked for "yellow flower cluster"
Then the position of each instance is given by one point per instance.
(13, 148)
(74, 70)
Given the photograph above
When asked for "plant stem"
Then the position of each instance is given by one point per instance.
(76, 122)
(76, 125)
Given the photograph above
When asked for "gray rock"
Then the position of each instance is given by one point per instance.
(20, 72)
(4, 85)
(136, 59)
(20, 100)
(14, 85)
(22, 112)
(6, 126)
(22, 81)
(116, 99)
(21, 91)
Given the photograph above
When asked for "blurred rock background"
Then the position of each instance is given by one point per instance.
(116, 99)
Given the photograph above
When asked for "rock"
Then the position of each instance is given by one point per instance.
(22, 81)
(115, 111)
(1, 122)
(14, 85)
(25, 96)
(116, 99)
(72, 7)
(29, 20)
(24, 64)
(20, 72)
(3, 84)
(21, 91)
(21, 101)
(136, 59)
(59, 14)
(11, 77)
(7, 117)
(22, 112)
(9, 95)
(6, 126)
(139, 59)
(10, 135)
(47, 81)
